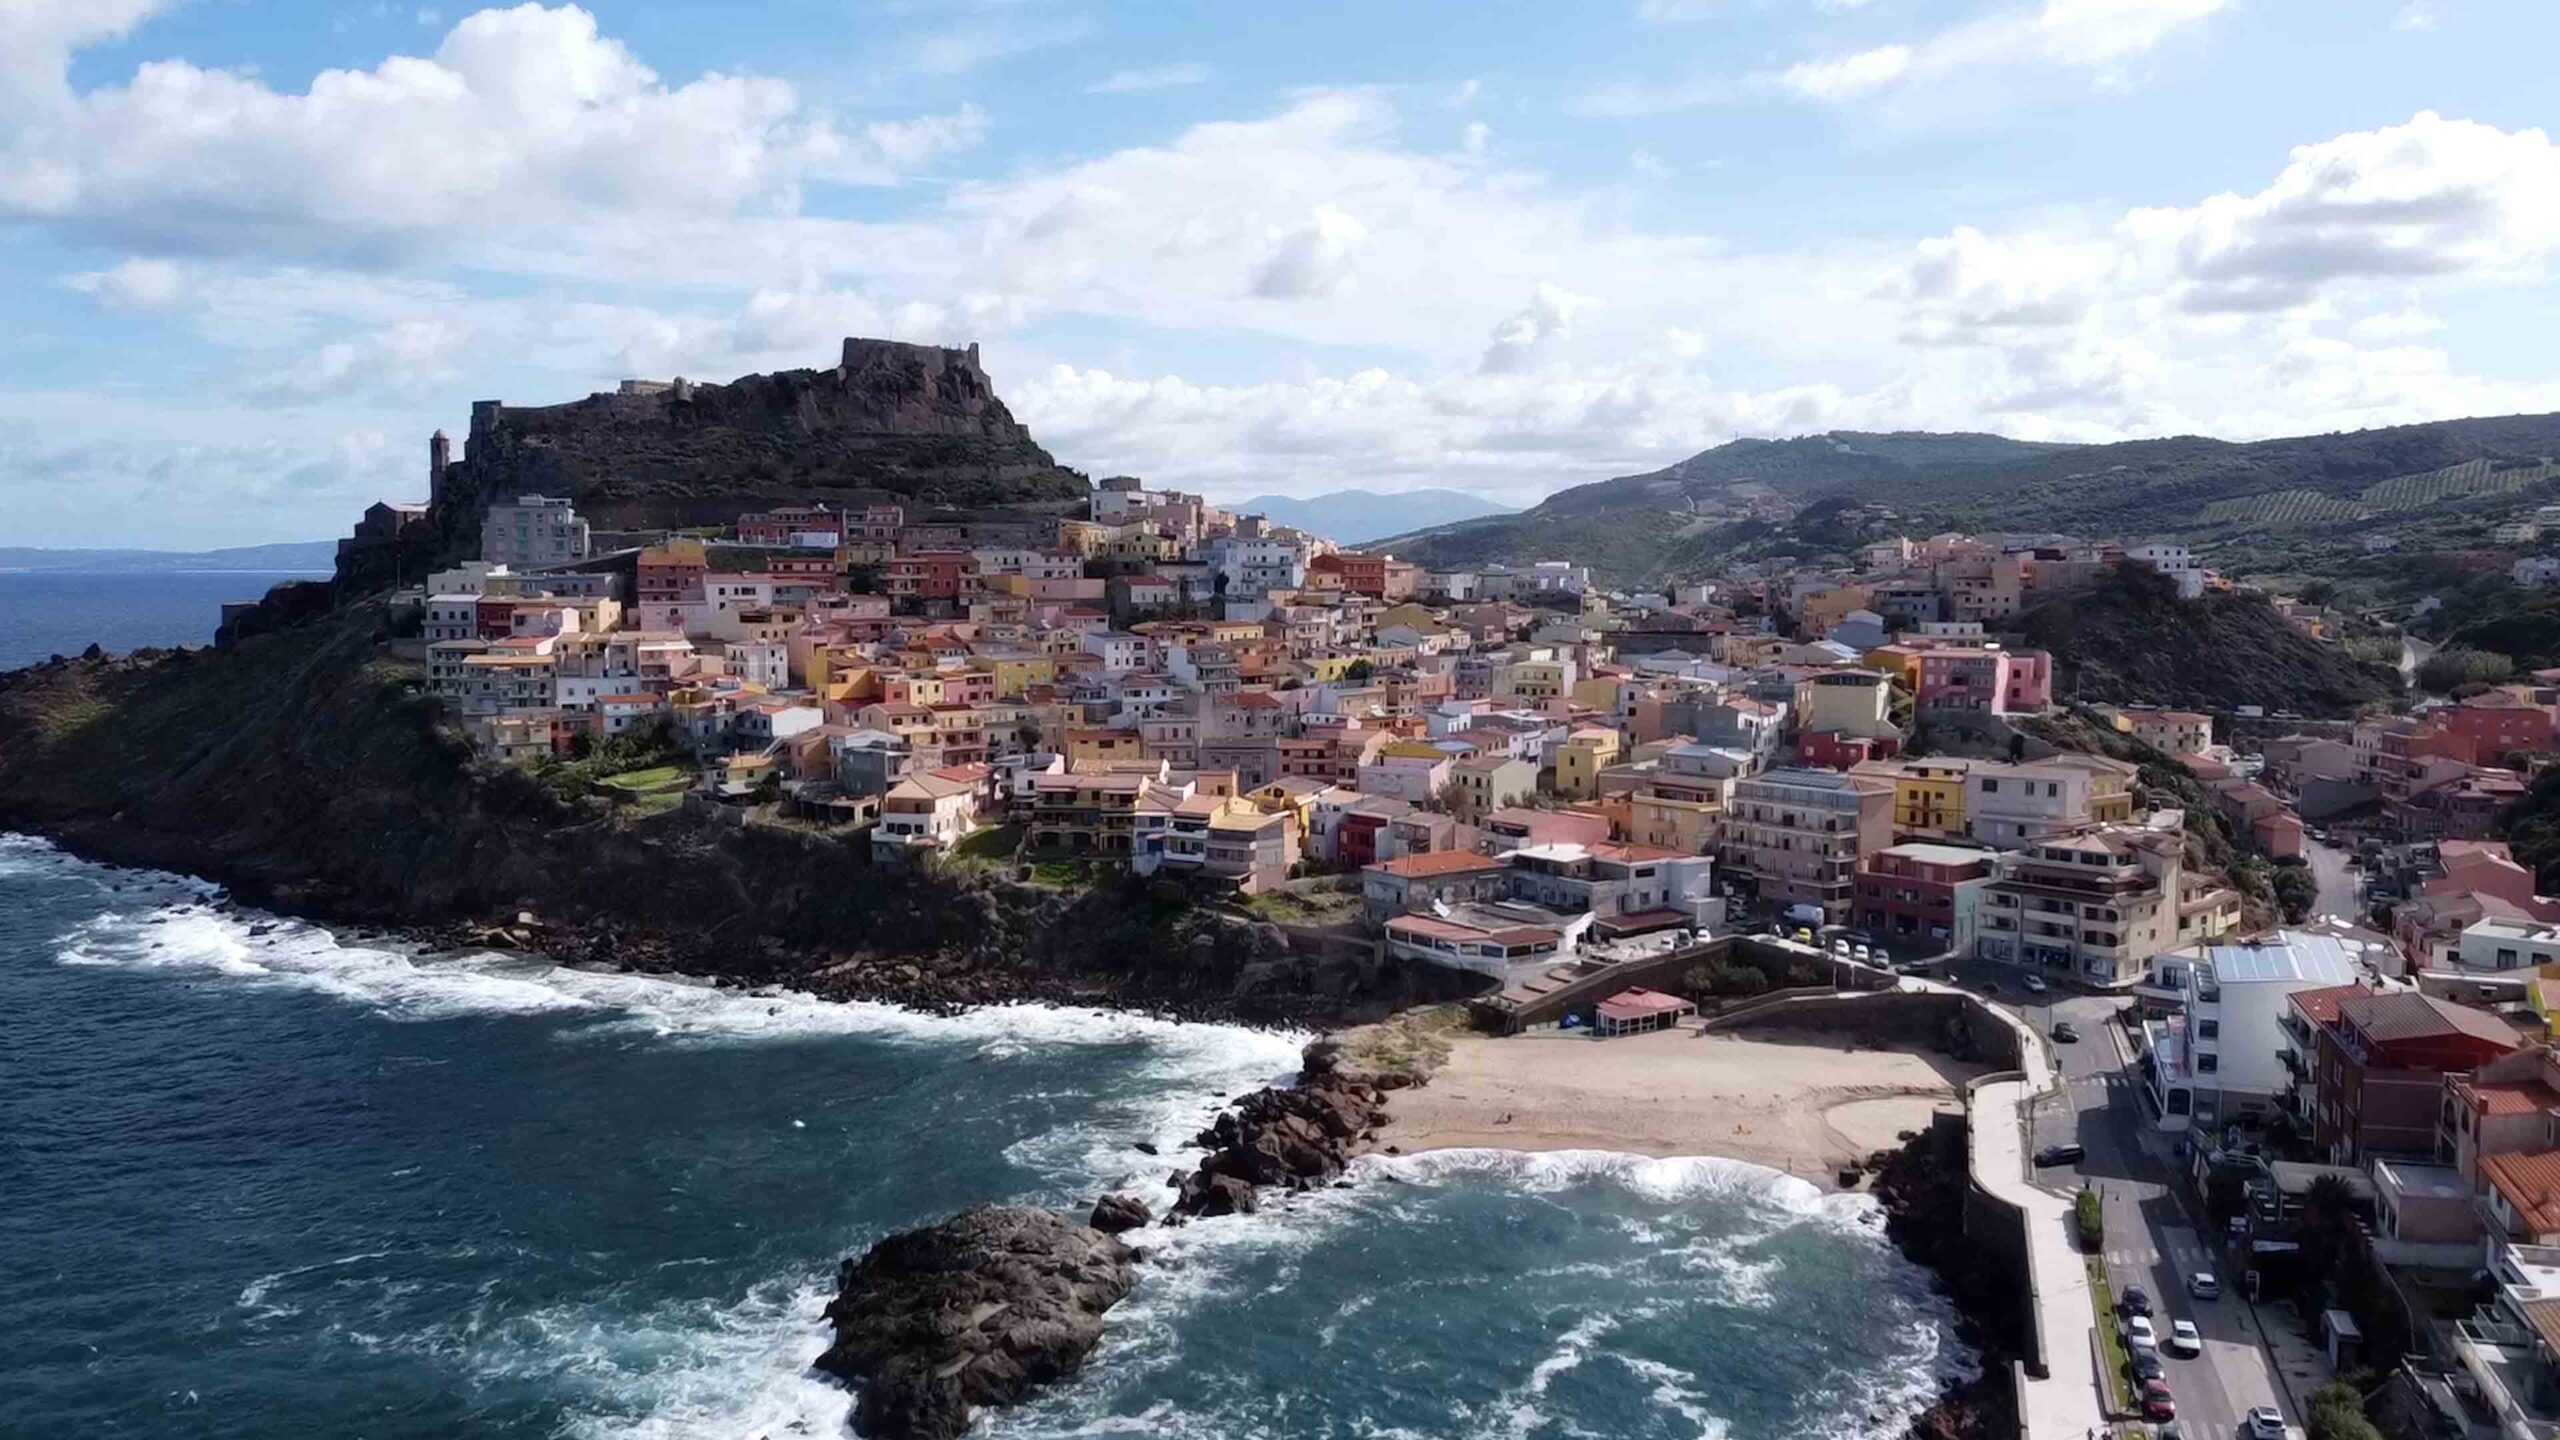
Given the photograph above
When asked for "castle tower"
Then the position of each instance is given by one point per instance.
(439, 456)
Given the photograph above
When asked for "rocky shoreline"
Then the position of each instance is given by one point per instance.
(1922, 1189)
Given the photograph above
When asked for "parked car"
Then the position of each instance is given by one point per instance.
(2184, 1338)
(2265, 1423)
(2061, 1154)
(2204, 1286)
(2139, 1334)
(2066, 1032)
(2157, 1402)
(1990, 987)
(2134, 1301)
(1861, 954)
(2033, 985)
(2147, 1366)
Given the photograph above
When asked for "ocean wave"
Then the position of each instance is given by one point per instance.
(677, 1371)
(165, 922)
(1663, 1179)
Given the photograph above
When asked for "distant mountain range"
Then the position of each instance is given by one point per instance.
(290, 555)
(2303, 504)
(1353, 516)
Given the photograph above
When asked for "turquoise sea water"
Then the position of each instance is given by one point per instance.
(280, 1185)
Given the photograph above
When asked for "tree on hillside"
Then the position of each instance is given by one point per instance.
(2456, 666)
(2297, 890)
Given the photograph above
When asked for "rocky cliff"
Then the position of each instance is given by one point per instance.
(305, 769)
(913, 423)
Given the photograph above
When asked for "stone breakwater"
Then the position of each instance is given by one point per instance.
(1295, 1138)
(981, 1309)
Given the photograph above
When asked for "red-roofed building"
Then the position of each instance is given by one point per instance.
(2380, 1066)
(1633, 1012)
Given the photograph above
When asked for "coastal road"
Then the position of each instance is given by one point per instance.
(2152, 1240)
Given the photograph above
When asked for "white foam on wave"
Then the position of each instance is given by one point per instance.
(1666, 1180)
(185, 934)
(678, 1371)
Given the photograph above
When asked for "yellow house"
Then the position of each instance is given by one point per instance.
(1584, 755)
(1825, 609)
(1324, 668)
(1017, 673)
(1102, 746)
(1680, 817)
(1600, 692)
(1083, 537)
(1928, 795)
(1899, 661)
(1408, 613)
(1531, 680)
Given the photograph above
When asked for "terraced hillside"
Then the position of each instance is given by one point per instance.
(2304, 501)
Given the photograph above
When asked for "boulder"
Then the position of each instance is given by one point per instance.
(1114, 1214)
(978, 1310)
(1294, 1138)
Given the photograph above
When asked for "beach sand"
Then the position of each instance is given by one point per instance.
(1801, 1102)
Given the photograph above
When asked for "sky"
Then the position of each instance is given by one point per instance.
(253, 252)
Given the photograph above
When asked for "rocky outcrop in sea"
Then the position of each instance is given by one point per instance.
(978, 1310)
(1294, 1138)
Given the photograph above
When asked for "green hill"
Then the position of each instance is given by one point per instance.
(2305, 502)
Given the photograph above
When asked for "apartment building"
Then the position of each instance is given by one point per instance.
(2379, 1071)
(1928, 795)
(1924, 895)
(2010, 804)
(2099, 904)
(1797, 837)
(533, 530)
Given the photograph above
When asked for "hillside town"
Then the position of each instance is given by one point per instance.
(1513, 771)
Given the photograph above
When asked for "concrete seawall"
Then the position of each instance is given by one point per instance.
(2016, 1225)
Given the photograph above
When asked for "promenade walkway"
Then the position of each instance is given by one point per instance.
(2062, 1404)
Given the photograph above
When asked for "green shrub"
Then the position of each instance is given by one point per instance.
(2091, 1214)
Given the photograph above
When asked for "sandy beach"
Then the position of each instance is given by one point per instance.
(1802, 1102)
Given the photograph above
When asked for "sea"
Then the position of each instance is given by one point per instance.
(262, 1180)
(61, 612)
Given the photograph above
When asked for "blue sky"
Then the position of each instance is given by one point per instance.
(257, 250)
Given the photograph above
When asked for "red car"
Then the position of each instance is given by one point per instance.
(2157, 1402)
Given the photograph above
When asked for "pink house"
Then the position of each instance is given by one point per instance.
(1999, 682)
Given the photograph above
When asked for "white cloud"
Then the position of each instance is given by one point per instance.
(2093, 35)
(2416, 15)
(2401, 324)
(136, 284)
(2430, 197)
(1315, 259)
(954, 52)
(1848, 76)
(521, 116)
(1517, 341)
(1159, 77)
(1649, 165)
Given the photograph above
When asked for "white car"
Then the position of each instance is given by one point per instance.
(2265, 1423)
(2204, 1286)
(2033, 985)
(2184, 1338)
(2139, 1334)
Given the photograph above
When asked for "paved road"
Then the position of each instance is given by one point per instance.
(2338, 883)
(2152, 1241)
